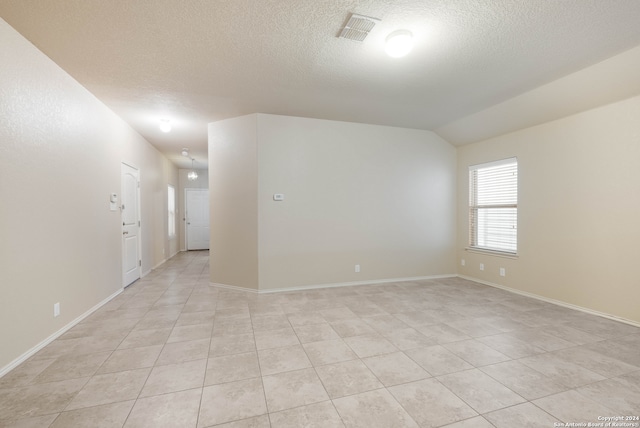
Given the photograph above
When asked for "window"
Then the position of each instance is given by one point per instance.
(171, 204)
(493, 206)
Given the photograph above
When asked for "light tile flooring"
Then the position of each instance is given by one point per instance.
(173, 351)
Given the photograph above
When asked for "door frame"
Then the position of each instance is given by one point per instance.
(186, 233)
(139, 268)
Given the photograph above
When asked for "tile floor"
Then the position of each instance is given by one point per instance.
(173, 351)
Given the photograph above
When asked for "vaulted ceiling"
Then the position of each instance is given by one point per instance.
(199, 61)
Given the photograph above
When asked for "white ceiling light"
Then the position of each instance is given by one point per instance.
(165, 125)
(192, 175)
(185, 152)
(399, 43)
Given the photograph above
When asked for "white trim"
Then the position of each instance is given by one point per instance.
(497, 253)
(13, 364)
(159, 264)
(553, 301)
(332, 285)
(506, 161)
(139, 209)
(173, 237)
(155, 267)
(130, 164)
(233, 287)
(186, 214)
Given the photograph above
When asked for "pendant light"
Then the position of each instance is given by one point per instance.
(192, 175)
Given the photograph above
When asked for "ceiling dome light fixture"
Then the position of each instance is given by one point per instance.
(185, 152)
(165, 125)
(399, 43)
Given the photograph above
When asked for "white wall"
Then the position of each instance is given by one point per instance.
(578, 211)
(60, 157)
(377, 196)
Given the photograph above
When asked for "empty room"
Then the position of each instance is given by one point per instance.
(319, 213)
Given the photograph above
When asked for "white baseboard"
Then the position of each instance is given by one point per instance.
(13, 364)
(233, 287)
(553, 301)
(333, 285)
(145, 273)
(159, 264)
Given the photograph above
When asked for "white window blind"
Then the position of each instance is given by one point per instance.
(171, 204)
(493, 206)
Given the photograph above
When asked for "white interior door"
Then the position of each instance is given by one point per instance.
(130, 225)
(197, 216)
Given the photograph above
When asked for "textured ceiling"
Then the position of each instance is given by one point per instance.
(198, 61)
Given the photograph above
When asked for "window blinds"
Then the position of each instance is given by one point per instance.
(493, 206)
(171, 205)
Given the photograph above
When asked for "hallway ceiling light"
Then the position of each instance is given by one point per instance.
(399, 43)
(165, 125)
(185, 152)
(192, 175)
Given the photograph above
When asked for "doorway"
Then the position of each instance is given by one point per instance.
(197, 218)
(130, 209)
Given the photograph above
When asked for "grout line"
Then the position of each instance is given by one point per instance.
(264, 391)
(169, 281)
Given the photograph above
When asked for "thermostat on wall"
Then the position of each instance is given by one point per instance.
(278, 196)
(113, 202)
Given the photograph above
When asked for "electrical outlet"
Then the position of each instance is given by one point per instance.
(56, 309)
(503, 272)
(481, 266)
(357, 268)
(462, 262)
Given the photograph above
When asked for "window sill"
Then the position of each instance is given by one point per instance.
(503, 254)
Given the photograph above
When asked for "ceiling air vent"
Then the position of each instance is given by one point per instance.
(358, 27)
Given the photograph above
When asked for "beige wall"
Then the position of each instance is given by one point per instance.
(579, 205)
(376, 196)
(233, 188)
(60, 157)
